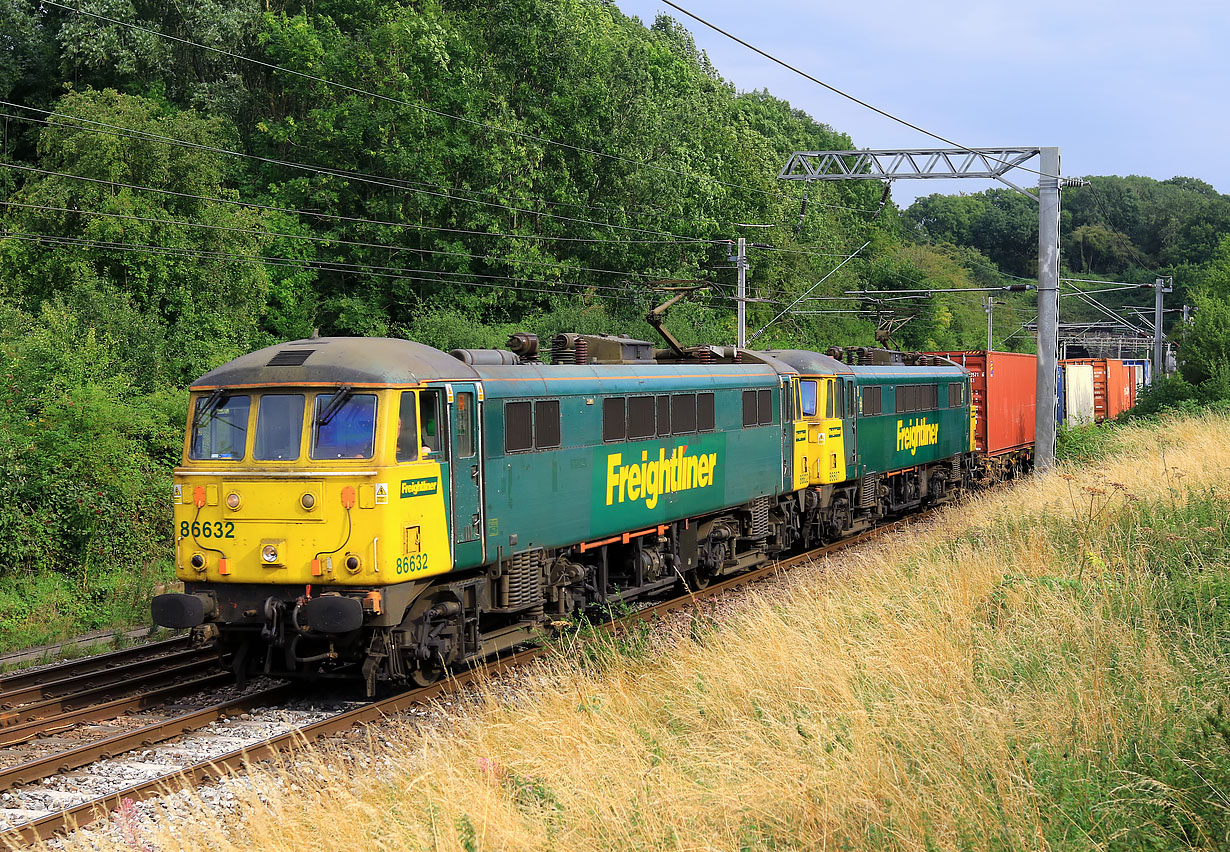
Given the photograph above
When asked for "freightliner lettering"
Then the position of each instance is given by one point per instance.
(650, 479)
(919, 433)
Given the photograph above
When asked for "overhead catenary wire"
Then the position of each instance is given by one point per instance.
(273, 208)
(830, 274)
(1123, 238)
(406, 187)
(838, 91)
(1105, 310)
(400, 101)
(440, 113)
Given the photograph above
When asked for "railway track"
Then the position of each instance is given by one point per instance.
(44, 654)
(50, 718)
(76, 816)
(31, 678)
(55, 699)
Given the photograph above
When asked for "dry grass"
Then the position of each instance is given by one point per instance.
(951, 689)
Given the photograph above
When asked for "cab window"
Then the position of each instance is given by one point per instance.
(220, 428)
(431, 424)
(828, 399)
(807, 392)
(465, 424)
(407, 429)
(279, 427)
(344, 426)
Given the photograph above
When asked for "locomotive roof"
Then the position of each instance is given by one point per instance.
(649, 377)
(815, 364)
(339, 360)
(810, 363)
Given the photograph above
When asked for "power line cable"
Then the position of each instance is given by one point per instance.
(834, 89)
(309, 238)
(355, 176)
(1123, 238)
(378, 180)
(354, 219)
(317, 265)
(831, 272)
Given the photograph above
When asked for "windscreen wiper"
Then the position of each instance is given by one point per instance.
(211, 404)
(343, 395)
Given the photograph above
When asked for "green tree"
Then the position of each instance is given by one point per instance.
(179, 261)
(1204, 349)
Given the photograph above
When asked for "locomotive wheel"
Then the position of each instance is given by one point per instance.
(428, 673)
(697, 581)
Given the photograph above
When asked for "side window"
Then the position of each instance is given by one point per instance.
(807, 391)
(704, 412)
(683, 413)
(518, 429)
(787, 403)
(407, 428)
(546, 424)
(465, 425)
(764, 406)
(431, 424)
(640, 417)
(614, 426)
(749, 408)
(871, 400)
(828, 398)
(664, 415)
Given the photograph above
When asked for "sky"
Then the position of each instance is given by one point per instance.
(1125, 87)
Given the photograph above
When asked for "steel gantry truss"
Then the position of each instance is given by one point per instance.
(919, 163)
(992, 163)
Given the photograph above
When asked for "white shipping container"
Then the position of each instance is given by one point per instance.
(1078, 394)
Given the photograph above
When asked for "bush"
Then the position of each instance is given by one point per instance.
(85, 451)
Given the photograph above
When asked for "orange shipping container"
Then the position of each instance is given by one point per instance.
(1005, 389)
(1114, 386)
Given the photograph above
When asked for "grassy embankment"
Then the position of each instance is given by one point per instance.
(1043, 668)
(46, 607)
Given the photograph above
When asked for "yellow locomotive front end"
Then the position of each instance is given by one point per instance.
(292, 486)
(308, 513)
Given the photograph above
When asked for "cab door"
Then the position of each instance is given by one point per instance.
(823, 418)
(465, 438)
(834, 460)
(850, 420)
(794, 436)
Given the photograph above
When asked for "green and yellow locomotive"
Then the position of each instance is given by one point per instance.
(378, 509)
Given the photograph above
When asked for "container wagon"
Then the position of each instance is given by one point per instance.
(1004, 388)
(1144, 370)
